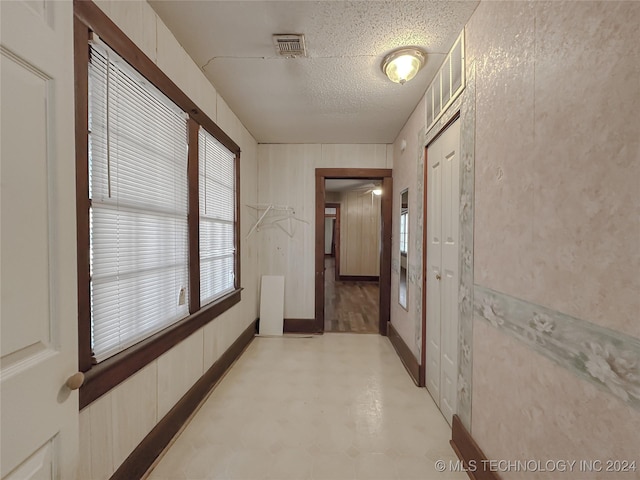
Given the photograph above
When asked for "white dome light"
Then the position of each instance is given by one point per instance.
(402, 65)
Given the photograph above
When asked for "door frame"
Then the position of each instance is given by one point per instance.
(381, 174)
(422, 371)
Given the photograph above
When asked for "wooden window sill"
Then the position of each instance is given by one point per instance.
(105, 375)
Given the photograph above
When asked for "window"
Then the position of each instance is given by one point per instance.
(158, 233)
(448, 83)
(404, 230)
(138, 216)
(217, 213)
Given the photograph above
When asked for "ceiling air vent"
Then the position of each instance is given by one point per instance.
(290, 45)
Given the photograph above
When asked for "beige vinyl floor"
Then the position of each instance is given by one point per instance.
(336, 406)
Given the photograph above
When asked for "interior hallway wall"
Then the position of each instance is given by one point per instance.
(556, 230)
(408, 321)
(359, 234)
(287, 177)
(332, 197)
(556, 349)
(328, 234)
(112, 426)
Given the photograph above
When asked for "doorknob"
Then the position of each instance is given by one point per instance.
(75, 381)
(438, 277)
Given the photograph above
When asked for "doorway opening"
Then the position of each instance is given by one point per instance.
(352, 245)
(343, 277)
(332, 235)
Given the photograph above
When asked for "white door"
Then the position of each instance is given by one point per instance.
(434, 268)
(38, 308)
(443, 200)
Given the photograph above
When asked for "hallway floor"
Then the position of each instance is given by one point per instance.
(336, 406)
(349, 306)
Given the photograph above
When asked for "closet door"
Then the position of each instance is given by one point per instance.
(442, 269)
(450, 272)
(39, 344)
(434, 268)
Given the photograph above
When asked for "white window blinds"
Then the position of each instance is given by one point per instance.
(138, 218)
(217, 216)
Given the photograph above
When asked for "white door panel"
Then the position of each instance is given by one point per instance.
(434, 270)
(449, 343)
(435, 204)
(450, 280)
(38, 346)
(39, 466)
(432, 374)
(442, 269)
(25, 213)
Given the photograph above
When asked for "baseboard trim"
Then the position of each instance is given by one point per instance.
(145, 454)
(301, 325)
(470, 453)
(358, 278)
(404, 352)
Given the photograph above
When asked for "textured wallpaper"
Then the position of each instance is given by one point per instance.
(556, 355)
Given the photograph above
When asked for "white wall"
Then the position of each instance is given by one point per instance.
(405, 175)
(287, 177)
(112, 426)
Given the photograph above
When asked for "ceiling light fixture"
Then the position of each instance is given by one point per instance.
(377, 191)
(403, 64)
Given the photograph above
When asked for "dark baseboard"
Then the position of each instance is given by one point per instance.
(301, 325)
(469, 452)
(405, 354)
(358, 278)
(141, 459)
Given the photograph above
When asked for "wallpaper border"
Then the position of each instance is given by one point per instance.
(606, 358)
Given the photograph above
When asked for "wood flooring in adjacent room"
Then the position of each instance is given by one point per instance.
(328, 407)
(349, 306)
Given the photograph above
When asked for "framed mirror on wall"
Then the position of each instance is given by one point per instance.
(403, 294)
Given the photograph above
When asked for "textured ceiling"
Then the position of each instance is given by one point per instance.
(338, 93)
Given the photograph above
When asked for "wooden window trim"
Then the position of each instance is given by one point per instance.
(194, 216)
(114, 370)
(236, 224)
(102, 377)
(81, 72)
(93, 18)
